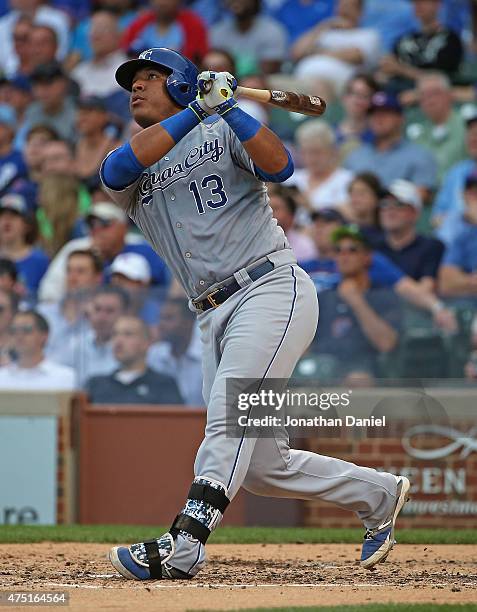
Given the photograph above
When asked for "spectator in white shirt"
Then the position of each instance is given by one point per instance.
(32, 371)
(178, 353)
(96, 76)
(68, 317)
(334, 49)
(322, 180)
(90, 352)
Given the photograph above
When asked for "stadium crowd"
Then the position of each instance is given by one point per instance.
(381, 210)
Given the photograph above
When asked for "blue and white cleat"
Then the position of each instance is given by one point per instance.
(134, 563)
(378, 542)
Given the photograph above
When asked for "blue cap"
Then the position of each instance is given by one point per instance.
(383, 99)
(8, 116)
(20, 82)
(16, 203)
(471, 178)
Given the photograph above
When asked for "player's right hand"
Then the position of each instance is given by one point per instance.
(215, 88)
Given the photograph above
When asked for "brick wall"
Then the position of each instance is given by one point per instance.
(451, 479)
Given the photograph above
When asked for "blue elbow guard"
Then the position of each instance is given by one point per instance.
(278, 177)
(121, 168)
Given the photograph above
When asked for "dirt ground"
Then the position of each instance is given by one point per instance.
(241, 576)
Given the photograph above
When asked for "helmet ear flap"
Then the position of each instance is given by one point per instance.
(180, 91)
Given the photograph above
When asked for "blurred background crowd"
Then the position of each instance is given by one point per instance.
(381, 210)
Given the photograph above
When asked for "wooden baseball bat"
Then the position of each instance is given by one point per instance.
(287, 100)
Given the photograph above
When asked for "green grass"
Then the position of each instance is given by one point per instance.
(391, 607)
(225, 535)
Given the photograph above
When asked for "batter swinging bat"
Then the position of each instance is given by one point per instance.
(288, 100)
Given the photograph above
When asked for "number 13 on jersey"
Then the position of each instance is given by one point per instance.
(210, 185)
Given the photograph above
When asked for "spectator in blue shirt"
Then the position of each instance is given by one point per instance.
(417, 255)
(323, 270)
(358, 321)
(17, 236)
(391, 156)
(458, 274)
(449, 202)
(297, 15)
(383, 272)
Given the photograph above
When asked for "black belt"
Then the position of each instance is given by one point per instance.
(217, 297)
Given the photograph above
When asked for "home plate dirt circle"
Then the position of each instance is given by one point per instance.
(247, 575)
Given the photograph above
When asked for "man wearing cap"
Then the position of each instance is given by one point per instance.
(108, 236)
(449, 201)
(323, 269)
(458, 274)
(132, 272)
(417, 255)
(358, 321)
(17, 237)
(383, 272)
(53, 105)
(133, 382)
(391, 156)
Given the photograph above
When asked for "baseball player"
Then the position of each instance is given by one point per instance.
(193, 182)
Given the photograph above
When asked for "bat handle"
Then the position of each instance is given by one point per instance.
(205, 86)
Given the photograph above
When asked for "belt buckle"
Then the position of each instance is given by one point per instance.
(210, 298)
(198, 306)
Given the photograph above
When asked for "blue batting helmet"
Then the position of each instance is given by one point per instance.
(181, 83)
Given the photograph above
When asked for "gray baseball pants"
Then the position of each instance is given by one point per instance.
(261, 332)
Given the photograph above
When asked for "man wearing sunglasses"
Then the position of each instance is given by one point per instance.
(359, 320)
(31, 371)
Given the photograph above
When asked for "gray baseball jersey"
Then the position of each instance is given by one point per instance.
(203, 209)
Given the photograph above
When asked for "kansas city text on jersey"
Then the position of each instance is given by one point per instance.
(210, 150)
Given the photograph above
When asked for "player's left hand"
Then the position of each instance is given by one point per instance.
(216, 87)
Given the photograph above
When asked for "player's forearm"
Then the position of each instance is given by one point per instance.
(267, 151)
(152, 143)
(271, 158)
